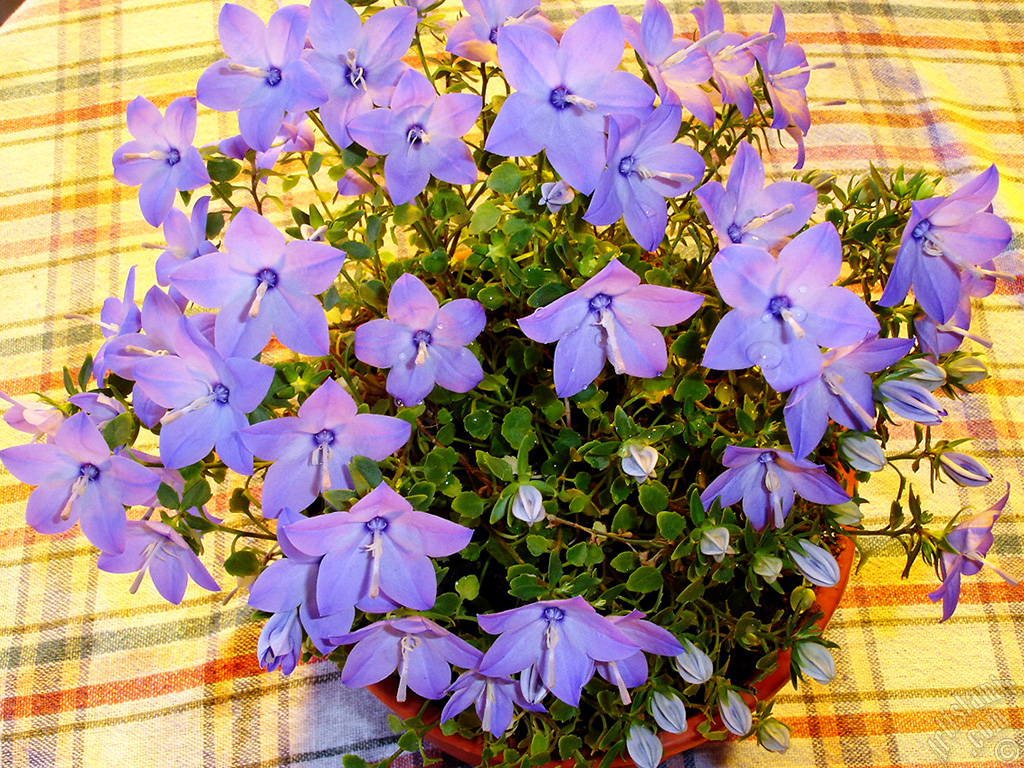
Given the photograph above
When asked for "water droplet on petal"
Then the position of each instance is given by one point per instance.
(440, 326)
(399, 403)
(766, 317)
(765, 354)
(802, 289)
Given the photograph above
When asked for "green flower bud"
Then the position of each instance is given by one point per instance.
(773, 735)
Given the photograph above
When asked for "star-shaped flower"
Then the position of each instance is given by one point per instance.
(161, 159)
(631, 671)
(610, 317)
(492, 698)
(423, 343)
(475, 35)
(785, 308)
(311, 451)
(186, 240)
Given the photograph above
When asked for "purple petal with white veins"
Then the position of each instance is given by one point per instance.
(377, 130)
(291, 482)
(812, 258)
(406, 577)
(80, 439)
(645, 214)
(409, 383)
(145, 123)
(379, 342)
(428, 673)
(370, 661)
(186, 440)
(406, 176)
(238, 334)
(734, 334)
(557, 319)
(837, 317)
(433, 535)
(606, 204)
(179, 122)
(514, 650)
(388, 35)
(806, 416)
(744, 276)
(316, 536)
(579, 358)
(311, 267)
(937, 288)
(657, 305)
(642, 348)
(213, 280)
(328, 405)
(377, 437)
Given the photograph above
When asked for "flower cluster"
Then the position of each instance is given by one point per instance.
(532, 385)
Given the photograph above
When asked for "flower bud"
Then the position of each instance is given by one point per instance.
(531, 685)
(768, 567)
(966, 371)
(814, 661)
(911, 401)
(861, 452)
(528, 504)
(715, 543)
(644, 747)
(847, 513)
(773, 735)
(963, 469)
(801, 599)
(669, 712)
(815, 563)
(693, 665)
(640, 462)
(926, 373)
(736, 716)
(555, 194)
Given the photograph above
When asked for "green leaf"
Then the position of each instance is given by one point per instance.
(435, 262)
(244, 562)
(222, 168)
(479, 424)
(196, 495)
(539, 743)
(646, 578)
(505, 179)
(485, 218)
(85, 372)
(69, 383)
(353, 761)
(468, 504)
(671, 524)
(625, 562)
(692, 389)
(168, 497)
(516, 425)
(537, 545)
(500, 468)
(577, 554)
(120, 430)
(653, 497)
(546, 294)
(468, 587)
(409, 742)
(355, 250)
(406, 214)
(566, 746)
(365, 470)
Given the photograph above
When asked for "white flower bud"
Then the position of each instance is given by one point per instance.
(528, 504)
(640, 462)
(847, 513)
(644, 747)
(927, 374)
(773, 735)
(693, 665)
(736, 716)
(815, 563)
(814, 660)
(863, 453)
(967, 370)
(555, 194)
(715, 543)
(768, 567)
(669, 712)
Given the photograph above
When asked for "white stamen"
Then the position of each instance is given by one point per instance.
(619, 683)
(254, 71)
(195, 405)
(153, 155)
(579, 101)
(730, 51)
(485, 721)
(979, 558)
(320, 456)
(358, 80)
(408, 644)
(949, 328)
(421, 353)
(144, 351)
(100, 323)
(834, 382)
(978, 272)
(789, 319)
(375, 548)
(149, 552)
(77, 489)
(550, 642)
(801, 70)
(772, 485)
(758, 221)
(678, 56)
(257, 299)
(611, 341)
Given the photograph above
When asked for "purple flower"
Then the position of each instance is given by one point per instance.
(419, 649)
(645, 166)
(360, 63)
(555, 194)
(674, 68)
(186, 240)
(264, 286)
(610, 317)
(492, 697)
(963, 469)
(767, 482)
(100, 408)
(295, 135)
(911, 401)
(746, 211)
(475, 35)
(970, 542)
(731, 57)
(563, 638)
(420, 135)
(816, 563)
(311, 451)
(785, 308)
(631, 671)
(377, 555)
(563, 91)
(943, 236)
(39, 419)
(264, 75)
(280, 643)
(288, 586)
(118, 317)
(78, 480)
(159, 549)
(842, 391)
(423, 343)
(161, 158)
(937, 338)
(207, 397)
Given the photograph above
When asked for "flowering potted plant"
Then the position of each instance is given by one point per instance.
(542, 380)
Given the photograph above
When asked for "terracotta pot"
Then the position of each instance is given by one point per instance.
(470, 750)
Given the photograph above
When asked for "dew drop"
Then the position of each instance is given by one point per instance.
(802, 289)
(403, 356)
(440, 326)
(765, 354)
(766, 317)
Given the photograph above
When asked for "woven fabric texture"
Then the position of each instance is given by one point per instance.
(92, 675)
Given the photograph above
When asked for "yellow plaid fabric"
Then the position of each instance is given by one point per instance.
(94, 676)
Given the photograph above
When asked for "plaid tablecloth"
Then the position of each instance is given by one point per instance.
(94, 676)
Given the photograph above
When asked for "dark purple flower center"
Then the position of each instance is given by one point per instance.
(627, 165)
(735, 233)
(921, 230)
(600, 302)
(414, 136)
(89, 472)
(777, 304)
(173, 156)
(422, 337)
(377, 525)
(324, 437)
(553, 614)
(766, 458)
(559, 97)
(493, 37)
(220, 393)
(273, 77)
(355, 75)
(267, 277)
